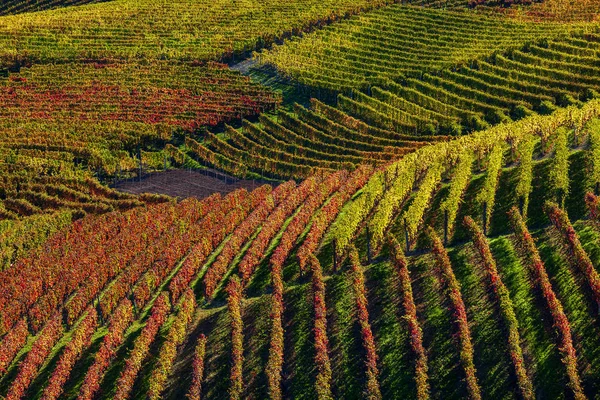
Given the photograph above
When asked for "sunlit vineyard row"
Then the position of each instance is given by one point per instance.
(159, 29)
(399, 41)
(397, 118)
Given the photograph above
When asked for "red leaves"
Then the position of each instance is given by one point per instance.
(241, 234)
(208, 95)
(506, 307)
(323, 219)
(593, 204)
(159, 313)
(79, 342)
(293, 231)
(120, 320)
(234, 304)
(372, 390)
(416, 334)
(195, 392)
(561, 323)
(14, 340)
(256, 252)
(458, 307)
(276, 345)
(323, 380)
(173, 340)
(15, 78)
(78, 263)
(28, 369)
(575, 250)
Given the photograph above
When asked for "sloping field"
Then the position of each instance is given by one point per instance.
(431, 227)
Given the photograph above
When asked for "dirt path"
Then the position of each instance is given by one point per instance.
(245, 66)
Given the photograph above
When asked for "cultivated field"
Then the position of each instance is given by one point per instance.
(382, 201)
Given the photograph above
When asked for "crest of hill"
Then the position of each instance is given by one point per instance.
(402, 41)
(163, 29)
(10, 7)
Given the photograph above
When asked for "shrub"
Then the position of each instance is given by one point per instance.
(323, 380)
(575, 250)
(195, 392)
(358, 283)
(234, 304)
(416, 333)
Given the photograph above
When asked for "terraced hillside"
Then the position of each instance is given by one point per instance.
(60, 131)
(397, 118)
(431, 227)
(9, 7)
(184, 30)
(547, 10)
(399, 41)
(538, 77)
(127, 325)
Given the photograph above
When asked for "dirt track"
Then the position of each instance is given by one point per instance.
(186, 183)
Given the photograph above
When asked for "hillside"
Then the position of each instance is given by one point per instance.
(382, 201)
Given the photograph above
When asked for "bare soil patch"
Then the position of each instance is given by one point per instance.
(188, 183)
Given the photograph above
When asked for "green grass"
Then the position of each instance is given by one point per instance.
(218, 356)
(538, 338)
(571, 291)
(298, 365)
(256, 347)
(396, 359)
(446, 374)
(344, 337)
(492, 361)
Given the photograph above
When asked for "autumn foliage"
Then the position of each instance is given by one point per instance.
(11, 343)
(560, 321)
(79, 342)
(416, 333)
(195, 392)
(505, 303)
(29, 368)
(329, 185)
(120, 320)
(234, 304)
(273, 225)
(274, 366)
(574, 249)
(593, 204)
(358, 283)
(323, 379)
(460, 313)
(174, 339)
(141, 346)
(323, 218)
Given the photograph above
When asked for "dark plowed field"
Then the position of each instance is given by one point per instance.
(187, 183)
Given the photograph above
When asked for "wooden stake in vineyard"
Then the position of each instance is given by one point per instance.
(406, 237)
(485, 218)
(369, 259)
(445, 227)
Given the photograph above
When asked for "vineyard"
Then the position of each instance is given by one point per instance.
(385, 201)
(397, 42)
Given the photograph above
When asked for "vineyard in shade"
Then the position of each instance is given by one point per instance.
(423, 220)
